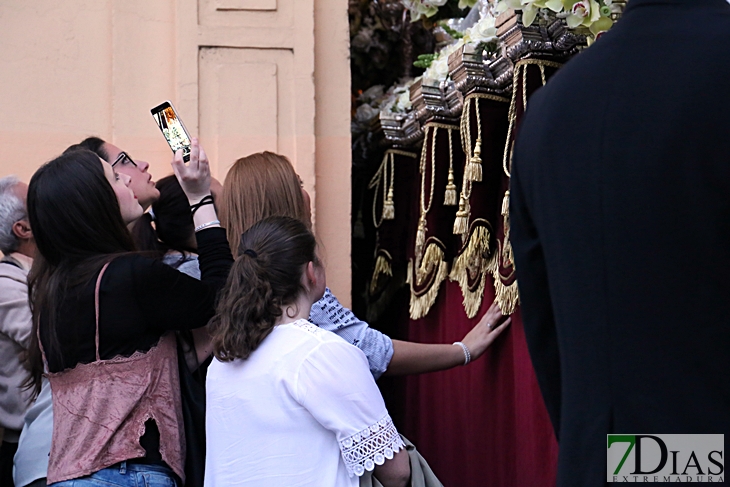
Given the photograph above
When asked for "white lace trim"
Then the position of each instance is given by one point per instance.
(308, 326)
(370, 447)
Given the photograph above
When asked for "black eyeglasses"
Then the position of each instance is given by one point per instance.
(124, 158)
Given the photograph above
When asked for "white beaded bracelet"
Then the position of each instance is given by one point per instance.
(206, 225)
(467, 353)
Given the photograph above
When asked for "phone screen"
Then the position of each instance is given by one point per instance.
(172, 128)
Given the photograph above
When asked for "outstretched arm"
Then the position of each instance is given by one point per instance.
(418, 358)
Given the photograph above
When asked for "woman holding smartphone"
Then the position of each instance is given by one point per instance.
(104, 316)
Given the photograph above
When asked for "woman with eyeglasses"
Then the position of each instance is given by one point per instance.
(105, 316)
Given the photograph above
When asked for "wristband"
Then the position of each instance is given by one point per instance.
(467, 353)
(207, 200)
(206, 225)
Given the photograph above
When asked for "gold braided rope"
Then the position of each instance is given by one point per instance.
(461, 222)
(397, 152)
(465, 126)
(512, 116)
(382, 175)
(375, 182)
(430, 267)
(507, 296)
(450, 192)
(422, 228)
(421, 231)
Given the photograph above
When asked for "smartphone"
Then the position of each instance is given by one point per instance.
(172, 128)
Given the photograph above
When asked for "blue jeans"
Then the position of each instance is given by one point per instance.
(125, 475)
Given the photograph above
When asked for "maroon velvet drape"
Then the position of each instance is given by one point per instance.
(484, 424)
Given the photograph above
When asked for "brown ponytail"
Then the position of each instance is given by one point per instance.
(265, 276)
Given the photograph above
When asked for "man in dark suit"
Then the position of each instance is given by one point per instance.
(620, 210)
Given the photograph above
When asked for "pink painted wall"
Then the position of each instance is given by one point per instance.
(245, 75)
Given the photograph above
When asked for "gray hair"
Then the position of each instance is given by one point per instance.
(12, 209)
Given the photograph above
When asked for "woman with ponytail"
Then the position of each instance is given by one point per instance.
(265, 184)
(288, 402)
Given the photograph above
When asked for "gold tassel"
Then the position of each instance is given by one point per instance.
(450, 195)
(508, 253)
(462, 218)
(474, 167)
(420, 238)
(388, 206)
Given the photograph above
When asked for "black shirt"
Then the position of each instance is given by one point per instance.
(140, 299)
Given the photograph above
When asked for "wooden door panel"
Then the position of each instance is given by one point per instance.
(246, 103)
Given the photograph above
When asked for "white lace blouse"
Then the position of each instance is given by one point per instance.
(302, 410)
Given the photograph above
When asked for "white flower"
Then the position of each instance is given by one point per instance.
(482, 32)
(434, 3)
(584, 12)
(419, 8)
(438, 70)
(403, 102)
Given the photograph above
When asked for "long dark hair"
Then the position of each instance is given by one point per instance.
(266, 276)
(78, 226)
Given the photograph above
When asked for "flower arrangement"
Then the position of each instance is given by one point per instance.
(482, 34)
(421, 9)
(594, 16)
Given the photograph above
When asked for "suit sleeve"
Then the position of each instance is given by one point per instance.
(536, 305)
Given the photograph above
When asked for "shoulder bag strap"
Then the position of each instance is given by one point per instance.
(96, 306)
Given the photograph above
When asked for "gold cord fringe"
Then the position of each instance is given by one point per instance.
(506, 296)
(432, 264)
(473, 258)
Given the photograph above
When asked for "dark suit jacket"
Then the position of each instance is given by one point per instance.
(620, 210)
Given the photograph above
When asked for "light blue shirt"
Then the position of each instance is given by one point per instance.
(329, 314)
(31, 459)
